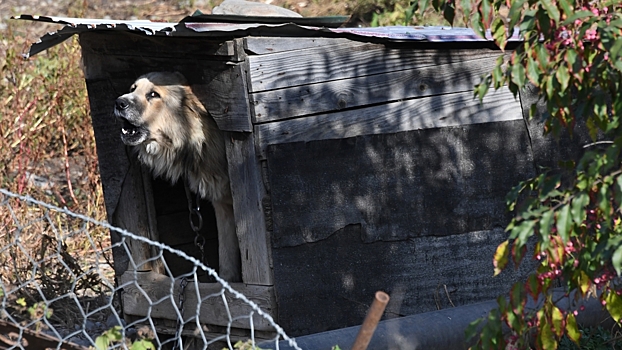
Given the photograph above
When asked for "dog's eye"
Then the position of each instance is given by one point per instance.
(153, 94)
(132, 88)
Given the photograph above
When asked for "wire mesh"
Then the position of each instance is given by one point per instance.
(58, 289)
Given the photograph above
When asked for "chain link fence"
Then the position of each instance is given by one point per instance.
(58, 289)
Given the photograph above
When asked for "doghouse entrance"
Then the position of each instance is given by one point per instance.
(174, 230)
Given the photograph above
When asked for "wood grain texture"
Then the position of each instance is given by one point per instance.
(150, 294)
(287, 69)
(413, 272)
(548, 149)
(268, 45)
(245, 178)
(132, 214)
(423, 113)
(360, 91)
(430, 182)
(220, 85)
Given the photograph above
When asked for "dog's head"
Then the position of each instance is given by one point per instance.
(157, 108)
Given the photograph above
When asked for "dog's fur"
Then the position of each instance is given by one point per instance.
(176, 138)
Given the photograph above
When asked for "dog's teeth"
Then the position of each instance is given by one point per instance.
(124, 131)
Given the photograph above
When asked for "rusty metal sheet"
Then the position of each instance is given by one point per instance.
(234, 26)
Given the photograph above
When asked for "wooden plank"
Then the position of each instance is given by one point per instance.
(220, 85)
(269, 45)
(150, 294)
(390, 183)
(413, 272)
(323, 97)
(287, 69)
(132, 214)
(548, 150)
(248, 193)
(133, 44)
(423, 113)
(226, 98)
(122, 181)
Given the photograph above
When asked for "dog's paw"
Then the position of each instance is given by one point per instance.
(152, 148)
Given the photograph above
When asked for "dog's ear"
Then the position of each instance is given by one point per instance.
(193, 105)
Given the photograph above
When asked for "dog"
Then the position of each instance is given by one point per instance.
(176, 138)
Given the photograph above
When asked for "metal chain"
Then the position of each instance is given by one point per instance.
(199, 241)
(195, 213)
(182, 299)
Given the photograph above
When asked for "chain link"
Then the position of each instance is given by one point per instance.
(195, 215)
(196, 223)
(180, 322)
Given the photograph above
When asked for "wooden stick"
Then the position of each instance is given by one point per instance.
(371, 321)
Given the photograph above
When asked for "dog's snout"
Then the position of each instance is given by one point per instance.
(121, 103)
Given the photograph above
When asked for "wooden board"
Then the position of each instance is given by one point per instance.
(432, 182)
(341, 274)
(248, 194)
(220, 85)
(124, 189)
(150, 294)
(357, 91)
(424, 113)
(547, 149)
(268, 45)
(133, 44)
(288, 69)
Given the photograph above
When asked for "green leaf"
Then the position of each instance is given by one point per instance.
(500, 259)
(515, 12)
(523, 231)
(563, 76)
(615, 50)
(557, 318)
(472, 330)
(565, 5)
(551, 9)
(486, 10)
(572, 330)
(449, 12)
(423, 6)
(477, 26)
(518, 74)
(584, 282)
(545, 337)
(546, 221)
(616, 260)
(533, 286)
(499, 34)
(614, 305)
(21, 302)
(564, 223)
(102, 342)
(533, 71)
(578, 207)
(144, 344)
(618, 190)
(577, 15)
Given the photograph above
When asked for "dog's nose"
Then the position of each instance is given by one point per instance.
(121, 104)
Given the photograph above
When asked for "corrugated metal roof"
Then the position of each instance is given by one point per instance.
(213, 26)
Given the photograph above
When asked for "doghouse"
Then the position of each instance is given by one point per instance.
(359, 161)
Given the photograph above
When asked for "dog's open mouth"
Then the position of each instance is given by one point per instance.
(131, 134)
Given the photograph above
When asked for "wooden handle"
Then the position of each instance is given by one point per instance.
(371, 321)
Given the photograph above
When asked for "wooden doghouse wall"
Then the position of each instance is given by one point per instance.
(384, 173)
(151, 207)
